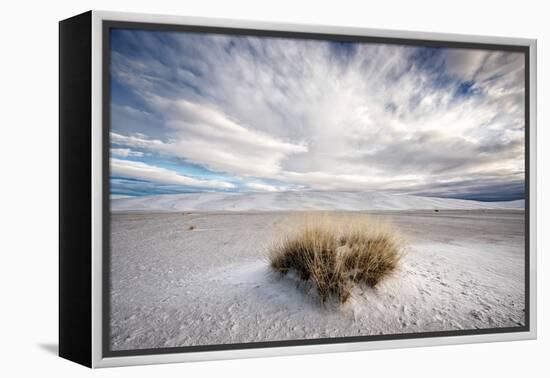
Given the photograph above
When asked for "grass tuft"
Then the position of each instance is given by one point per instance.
(336, 253)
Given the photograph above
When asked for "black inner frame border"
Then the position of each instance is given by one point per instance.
(107, 25)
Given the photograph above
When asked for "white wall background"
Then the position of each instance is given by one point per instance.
(28, 158)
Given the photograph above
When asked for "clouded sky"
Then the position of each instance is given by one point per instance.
(202, 112)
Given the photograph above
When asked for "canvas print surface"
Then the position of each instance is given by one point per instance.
(269, 189)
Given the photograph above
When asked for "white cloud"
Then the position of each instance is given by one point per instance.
(465, 63)
(376, 117)
(142, 171)
(126, 152)
(206, 136)
(136, 141)
(261, 187)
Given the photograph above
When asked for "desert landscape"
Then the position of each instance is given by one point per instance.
(287, 188)
(184, 273)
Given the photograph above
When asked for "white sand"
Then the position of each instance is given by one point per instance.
(172, 286)
(291, 201)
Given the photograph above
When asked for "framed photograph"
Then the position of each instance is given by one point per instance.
(234, 189)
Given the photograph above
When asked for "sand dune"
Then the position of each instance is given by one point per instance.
(191, 269)
(282, 201)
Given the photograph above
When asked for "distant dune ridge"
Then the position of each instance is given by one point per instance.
(304, 200)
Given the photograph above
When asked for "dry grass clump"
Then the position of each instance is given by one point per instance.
(337, 253)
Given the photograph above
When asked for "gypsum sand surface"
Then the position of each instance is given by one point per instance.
(175, 286)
